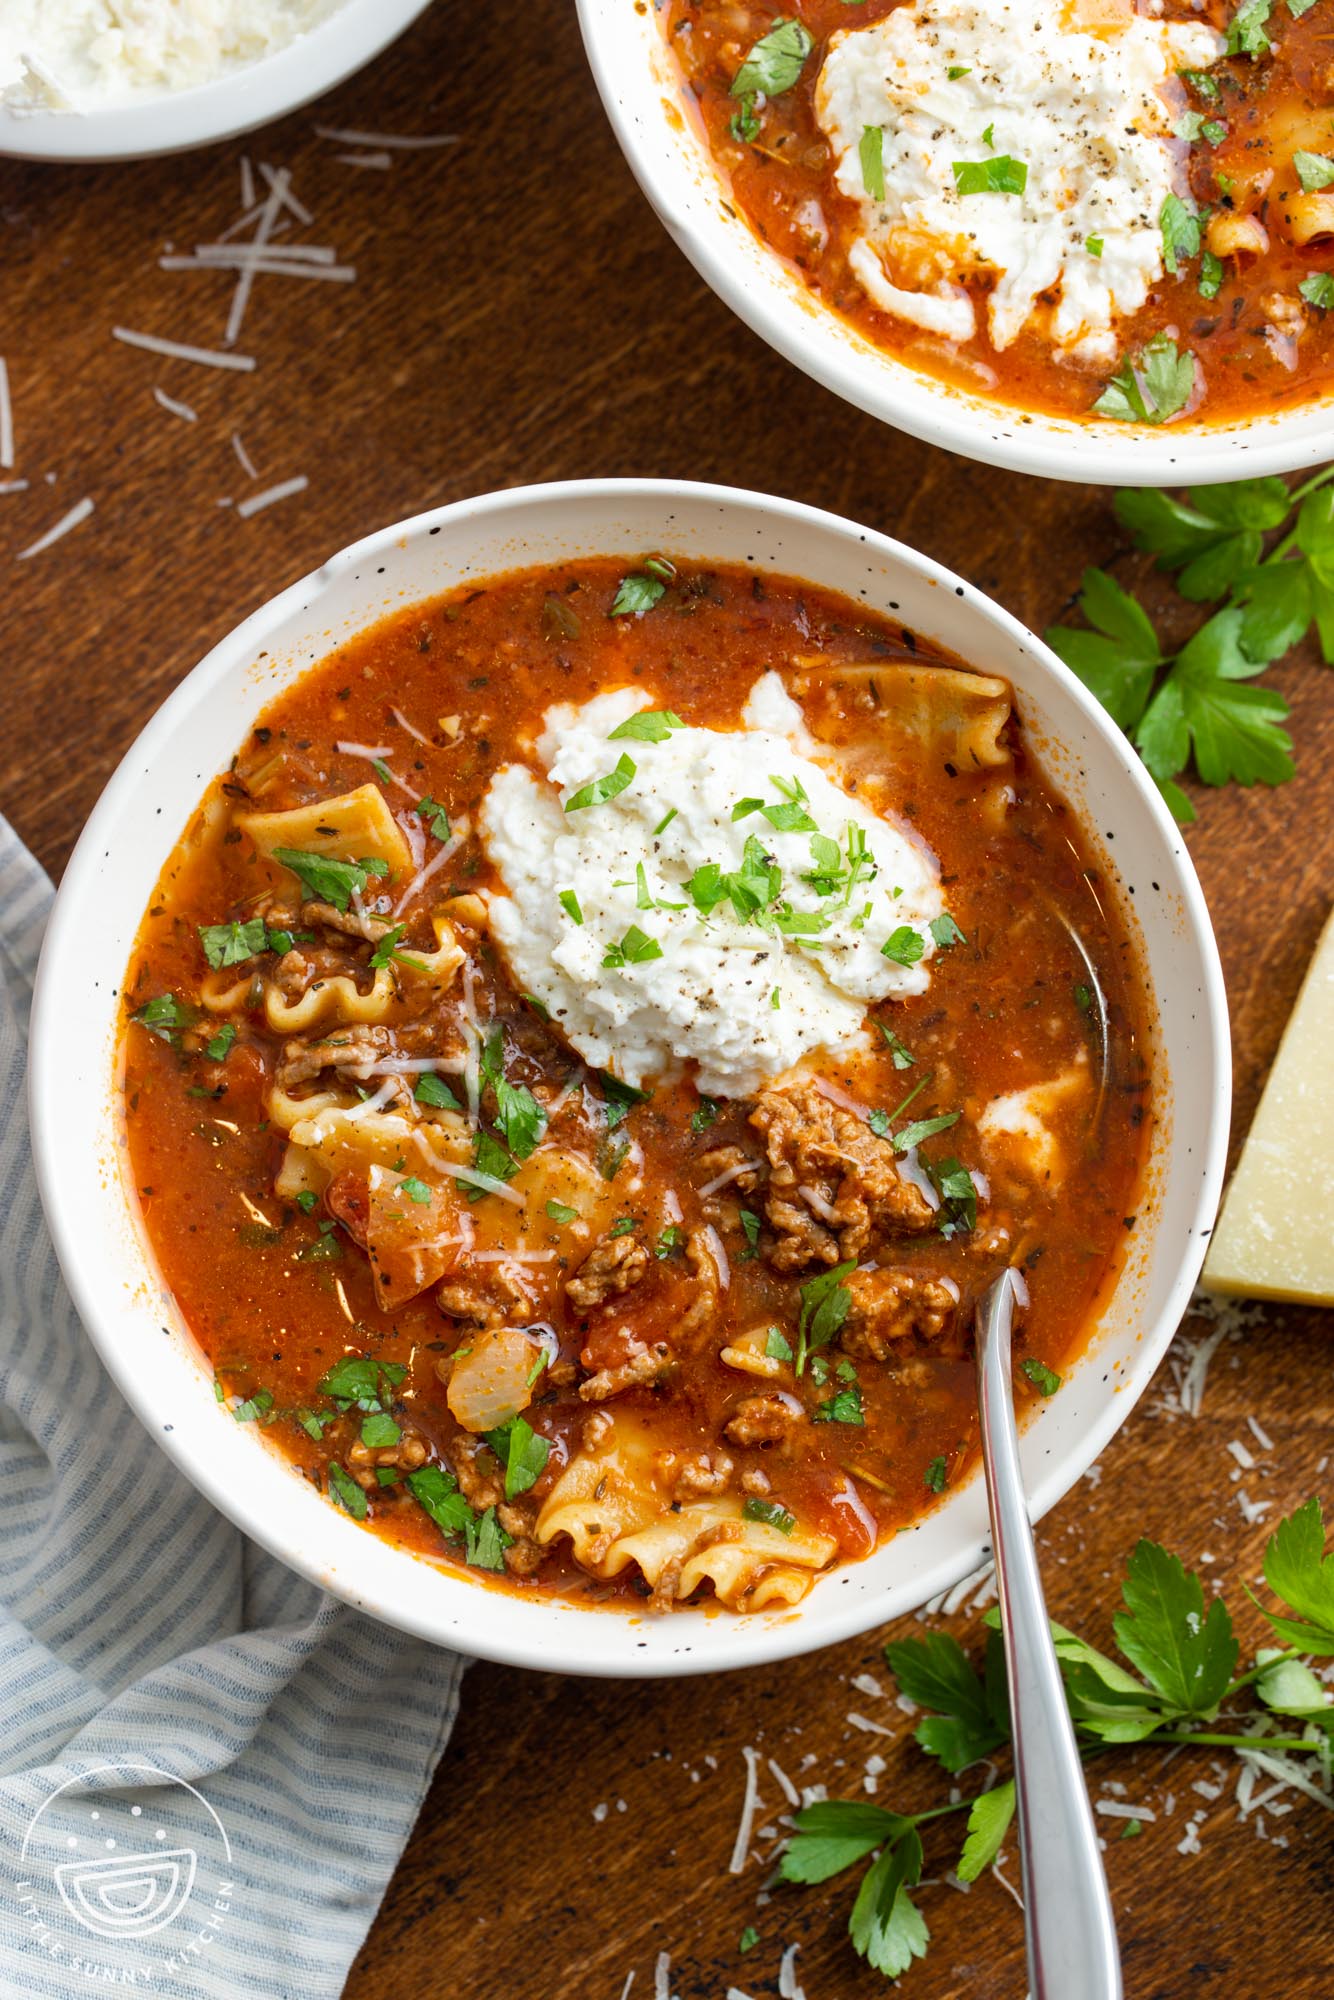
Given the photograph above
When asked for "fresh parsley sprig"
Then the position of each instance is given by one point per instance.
(1181, 1671)
(1195, 705)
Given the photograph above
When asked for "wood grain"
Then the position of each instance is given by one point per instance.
(519, 315)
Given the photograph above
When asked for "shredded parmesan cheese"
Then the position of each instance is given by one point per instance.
(76, 514)
(390, 141)
(181, 410)
(788, 1986)
(258, 501)
(178, 350)
(749, 1802)
(6, 420)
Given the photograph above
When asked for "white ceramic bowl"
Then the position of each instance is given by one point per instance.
(662, 141)
(111, 877)
(347, 39)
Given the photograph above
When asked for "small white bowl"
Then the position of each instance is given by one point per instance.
(76, 1124)
(134, 128)
(660, 137)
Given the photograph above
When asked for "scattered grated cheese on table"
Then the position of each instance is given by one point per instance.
(258, 501)
(76, 514)
(391, 141)
(383, 161)
(662, 1974)
(789, 1987)
(181, 410)
(6, 420)
(178, 350)
(749, 1803)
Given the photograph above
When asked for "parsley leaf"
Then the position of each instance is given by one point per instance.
(635, 948)
(1246, 32)
(887, 1927)
(1152, 389)
(1180, 230)
(989, 1820)
(871, 153)
(520, 1117)
(771, 1512)
(1116, 661)
(650, 725)
(844, 1408)
(774, 62)
(522, 1452)
(923, 1128)
(904, 945)
(435, 1092)
(1298, 1570)
(345, 1490)
(233, 943)
(902, 1058)
(998, 175)
(600, 790)
(436, 1492)
(1232, 730)
(1045, 1380)
(832, 1834)
(636, 595)
(327, 879)
(1211, 540)
(958, 1196)
(936, 1476)
(218, 1047)
(946, 932)
(1314, 170)
(1318, 290)
(560, 1211)
(937, 1674)
(825, 1302)
(1186, 1656)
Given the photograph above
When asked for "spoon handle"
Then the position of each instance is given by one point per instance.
(1072, 1950)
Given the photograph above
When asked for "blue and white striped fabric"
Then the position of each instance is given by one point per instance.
(139, 1628)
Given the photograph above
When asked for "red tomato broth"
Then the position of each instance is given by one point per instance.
(475, 670)
(1271, 108)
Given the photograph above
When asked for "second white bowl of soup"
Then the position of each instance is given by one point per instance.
(582, 1056)
(1092, 244)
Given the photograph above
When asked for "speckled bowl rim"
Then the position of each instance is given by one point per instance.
(109, 881)
(640, 88)
(178, 121)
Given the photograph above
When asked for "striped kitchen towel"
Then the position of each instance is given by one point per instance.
(208, 1767)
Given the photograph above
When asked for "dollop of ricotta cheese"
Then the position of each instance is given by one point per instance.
(728, 906)
(1072, 95)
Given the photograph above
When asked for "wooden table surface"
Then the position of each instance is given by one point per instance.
(517, 315)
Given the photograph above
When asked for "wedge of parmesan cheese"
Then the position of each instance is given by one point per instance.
(1275, 1236)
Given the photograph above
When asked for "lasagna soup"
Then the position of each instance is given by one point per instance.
(590, 1052)
(1081, 207)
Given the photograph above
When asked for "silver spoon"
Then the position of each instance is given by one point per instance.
(1071, 1934)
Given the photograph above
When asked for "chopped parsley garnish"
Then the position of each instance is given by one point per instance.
(1152, 389)
(670, 1239)
(387, 948)
(345, 1490)
(1318, 290)
(777, 1346)
(946, 932)
(1210, 280)
(935, 1476)
(306, 1200)
(254, 1407)
(360, 1383)
(218, 1047)
(1214, 131)
(1093, 244)
(521, 1118)
(522, 1453)
(436, 1492)
(485, 1541)
(623, 1226)
(1180, 228)
(903, 945)
(844, 1408)
(665, 822)
(704, 1115)
(329, 880)
(1314, 170)
(878, 1120)
(433, 1091)
(620, 1097)
(637, 594)
(825, 1302)
(749, 1938)
(490, 1158)
(956, 70)
(958, 1196)
(923, 1128)
(611, 1156)
(560, 1211)
(750, 1227)
(312, 1423)
(770, 1512)
(437, 819)
(382, 771)
(415, 1190)
(233, 943)
(324, 1250)
(379, 1431)
(1045, 1380)
(1200, 79)
(998, 175)
(774, 62)
(650, 725)
(635, 948)
(1084, 999)
(569, 902)
(872, 152)
(902, 1058)
(743, 125)
(600, 790)
(1246, 32)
